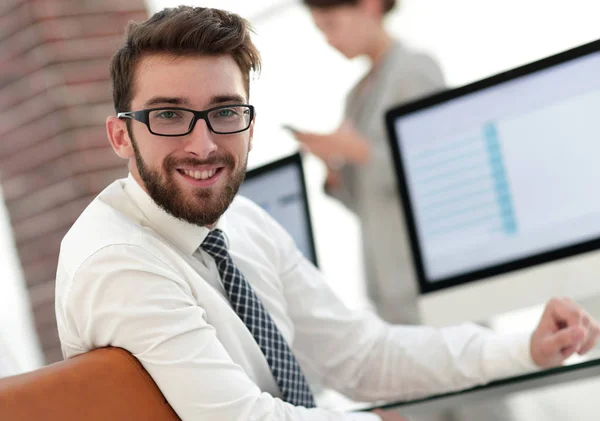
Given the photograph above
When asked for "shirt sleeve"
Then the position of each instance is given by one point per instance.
(124, 296)
(367, 359)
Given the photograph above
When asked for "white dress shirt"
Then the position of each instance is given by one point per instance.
(8, 365)
(132, 276)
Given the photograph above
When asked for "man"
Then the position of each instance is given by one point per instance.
(207, 291)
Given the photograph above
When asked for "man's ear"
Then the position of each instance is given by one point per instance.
(251, 130)
(116, 129)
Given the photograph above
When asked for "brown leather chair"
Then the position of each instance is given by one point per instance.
(107, 384)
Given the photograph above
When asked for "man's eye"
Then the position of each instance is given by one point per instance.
(228, 112)
(167, 115)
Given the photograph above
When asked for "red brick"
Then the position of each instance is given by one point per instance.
(82, 94)
(42, 200)
(45, 9)
(57, 124)
(96, 160)
(44, 311)
(19, 43)
(42, 294)
(58, 97)
(47, 331)
(20, 185)
(26, 113)
(47, 222)
(53, 353)
(38, 272)
(99, 180)
(54, 156)
(28, 86)
(85, 71)
(34, 157)
(40, 247)
(11, 22)
(91, 137)
(87, 26)
(23, 138)
(6, 6)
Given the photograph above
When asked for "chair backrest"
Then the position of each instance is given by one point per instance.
(107, 384)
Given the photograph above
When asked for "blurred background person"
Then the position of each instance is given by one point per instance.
(357, 155)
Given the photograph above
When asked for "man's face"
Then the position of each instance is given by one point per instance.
(345, 28)
(193, 177)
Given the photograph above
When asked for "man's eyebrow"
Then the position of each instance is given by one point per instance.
(220, 99)
(215, 100)
(157, 100)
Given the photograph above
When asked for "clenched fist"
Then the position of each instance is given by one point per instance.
(564, 329)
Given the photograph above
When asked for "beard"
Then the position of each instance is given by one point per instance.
(203, 207)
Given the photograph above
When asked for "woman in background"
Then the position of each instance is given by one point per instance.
(360, 166)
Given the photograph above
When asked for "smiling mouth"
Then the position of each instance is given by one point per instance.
(201, 175)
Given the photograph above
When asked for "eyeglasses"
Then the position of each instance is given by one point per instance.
(173, 121)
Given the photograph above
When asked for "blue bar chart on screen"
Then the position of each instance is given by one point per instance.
(503, 196)
(462, 185)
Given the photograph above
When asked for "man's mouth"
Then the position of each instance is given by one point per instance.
(201, 175)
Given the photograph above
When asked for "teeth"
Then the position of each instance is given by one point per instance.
(200, 175)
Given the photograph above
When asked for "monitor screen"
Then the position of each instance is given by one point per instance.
(504, 173)
(280, 189)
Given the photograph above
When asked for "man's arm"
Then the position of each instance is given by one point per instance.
(147, 309)
(367, 359)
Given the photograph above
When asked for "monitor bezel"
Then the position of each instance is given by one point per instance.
(425, 285)
(291, 160)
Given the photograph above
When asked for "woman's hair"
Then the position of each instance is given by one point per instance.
(182, 31)
(324, 4)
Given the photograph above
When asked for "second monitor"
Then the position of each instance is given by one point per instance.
(280, 188)
(502, 174)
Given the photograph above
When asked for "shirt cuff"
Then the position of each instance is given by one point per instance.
(507, 355)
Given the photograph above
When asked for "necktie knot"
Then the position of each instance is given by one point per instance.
(215, 245)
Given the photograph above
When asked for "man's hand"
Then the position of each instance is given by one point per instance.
(564, 329)
(389, 415)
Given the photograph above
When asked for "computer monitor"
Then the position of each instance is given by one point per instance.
(280, 188)
(500, 178)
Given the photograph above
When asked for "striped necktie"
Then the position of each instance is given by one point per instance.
(284, 366)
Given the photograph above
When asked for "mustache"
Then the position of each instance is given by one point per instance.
(224, 160)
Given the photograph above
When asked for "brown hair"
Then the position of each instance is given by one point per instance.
(182, 31)
(388, 5)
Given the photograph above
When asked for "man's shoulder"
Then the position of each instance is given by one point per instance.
(110, 219)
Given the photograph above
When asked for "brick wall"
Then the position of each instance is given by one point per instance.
(54, 155)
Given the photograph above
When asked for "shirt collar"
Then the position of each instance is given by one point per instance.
(188, 237)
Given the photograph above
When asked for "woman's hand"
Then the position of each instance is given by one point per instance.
(345, 144)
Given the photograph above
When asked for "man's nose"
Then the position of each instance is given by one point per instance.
(200, 141)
